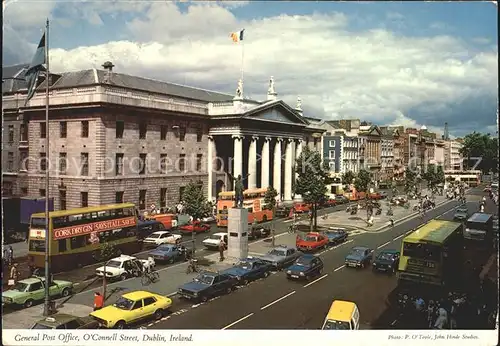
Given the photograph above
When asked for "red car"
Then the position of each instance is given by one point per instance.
(301, 208)
(330, 203)
(311, 242)
(196, 227)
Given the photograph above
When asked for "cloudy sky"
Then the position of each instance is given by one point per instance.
(390, 63)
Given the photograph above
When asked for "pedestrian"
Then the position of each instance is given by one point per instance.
(98, 301)
(5, 257)
(222, 247)
(14, 275)
(442, 320)
(431, 311)
(11, 255)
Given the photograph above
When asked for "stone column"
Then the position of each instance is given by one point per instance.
(252, 163)
(298, 151)
(210, 168)
(277, 166)
(238, 156)
(287, 193)
(264, 177)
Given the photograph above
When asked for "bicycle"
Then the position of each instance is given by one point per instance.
(292, 229)
(149, 277)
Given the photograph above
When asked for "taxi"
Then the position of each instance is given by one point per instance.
(343, 315)
(132, 307)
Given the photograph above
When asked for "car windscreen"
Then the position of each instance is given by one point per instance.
(164, 248)
(279, 253)
(114, 264)
(357, 252)
(205, 279)
(385, 256)
(303, 261)
(311, 238)
(245, 265)
(124, 303)
(20, 287)
(215, 237)
(338, 325)
(41, 326)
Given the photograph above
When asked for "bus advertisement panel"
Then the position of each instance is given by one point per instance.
(253, 200)
(76, 236)
(432, 254)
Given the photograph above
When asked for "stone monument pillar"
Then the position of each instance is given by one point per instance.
(237, 234)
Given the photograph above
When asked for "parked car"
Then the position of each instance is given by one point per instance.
(341, 199)
(122, 267)
(305, 267)
(132, 307)
(213, 242)
(256, 232)
(208, 285)
(208, 219)
(170, 253)
(161, 237)
(65, 321)
(359, 257)
(249, 269)
(330, 203)
(281, 256)
(336, 235)
(386, 261)
(312, 241)
(283, 211)
(28, 291)
(461, 214)
(196, 227)
(301, 208)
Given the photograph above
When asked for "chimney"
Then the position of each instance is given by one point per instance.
(108, 66)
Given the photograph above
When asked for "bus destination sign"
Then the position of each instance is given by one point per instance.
(101, 226)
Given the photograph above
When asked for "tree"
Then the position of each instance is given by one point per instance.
(313, 176)
(410, 180)
(270, 204)
(480, 151)
(195, 202)
(362, 181)
(348, 178)
(434, 176)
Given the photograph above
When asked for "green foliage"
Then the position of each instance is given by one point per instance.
(107, 252)
(477, 145)
(348, 178)
(270, 198)
(362, 181)
(196, 204)
(434, 176)
(410, 180)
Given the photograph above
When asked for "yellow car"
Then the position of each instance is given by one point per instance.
(132, 307)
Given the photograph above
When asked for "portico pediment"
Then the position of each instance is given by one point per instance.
(276, 112)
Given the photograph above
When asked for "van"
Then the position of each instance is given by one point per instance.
(146, 227)
(343, 315)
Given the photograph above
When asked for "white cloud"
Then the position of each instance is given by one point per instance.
(394, 16)
(375, 74)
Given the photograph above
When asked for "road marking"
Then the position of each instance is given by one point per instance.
(399, 236)
(312, 282)
(339, 268)
(238, 321)
(277, 300)
(410, 231)
(384, 244)
(268, 238)
(287, 221)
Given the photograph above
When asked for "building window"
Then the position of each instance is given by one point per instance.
(331, 154)
(332, 166)
(143, 129)
(62, 199)
(119, 164)
(43, 162)
(24, 191)
(182, 162)
(199, 134)
(142, 199)
(10, 161)
(142, 163)
(85, 129)
(120, 129)
(7, 188)
(43, 130)
(163, 132)
(163, 197)
(84, 162)
(63, 129)
(84, 199)
(119, 197)
(11, 133)
(199, 160)
(41, 192)
(23, 133)
(163, 163)
(62, 163)
(331, 144)
(182, 133)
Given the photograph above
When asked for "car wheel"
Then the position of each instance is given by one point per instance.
(229, 290)
(158, 314)
(123, 277)
(120, 325)
(65, 292)
(264, 218)
(204, 299)
(170, 260)
(320, 271)
(308, 278)
(28, 303)
(244, 282)
(266, 274)
(362, 264)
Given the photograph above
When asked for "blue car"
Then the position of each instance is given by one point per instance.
(359, 257)
(168, 253)
(249, 269)
(207, 285)
(305, 267)
(336, 235)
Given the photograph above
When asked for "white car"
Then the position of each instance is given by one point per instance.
(160, 238)
(214, 240)
(208, 219)
(120, 267)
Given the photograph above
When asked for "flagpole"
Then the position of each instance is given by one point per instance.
(242, 59)
(46, 308)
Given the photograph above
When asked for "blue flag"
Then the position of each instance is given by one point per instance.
(35, 68)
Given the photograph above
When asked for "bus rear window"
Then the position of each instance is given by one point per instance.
(37, 245)
(38, 223)
(422, 251)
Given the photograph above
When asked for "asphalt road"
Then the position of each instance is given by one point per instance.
(276, 303)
